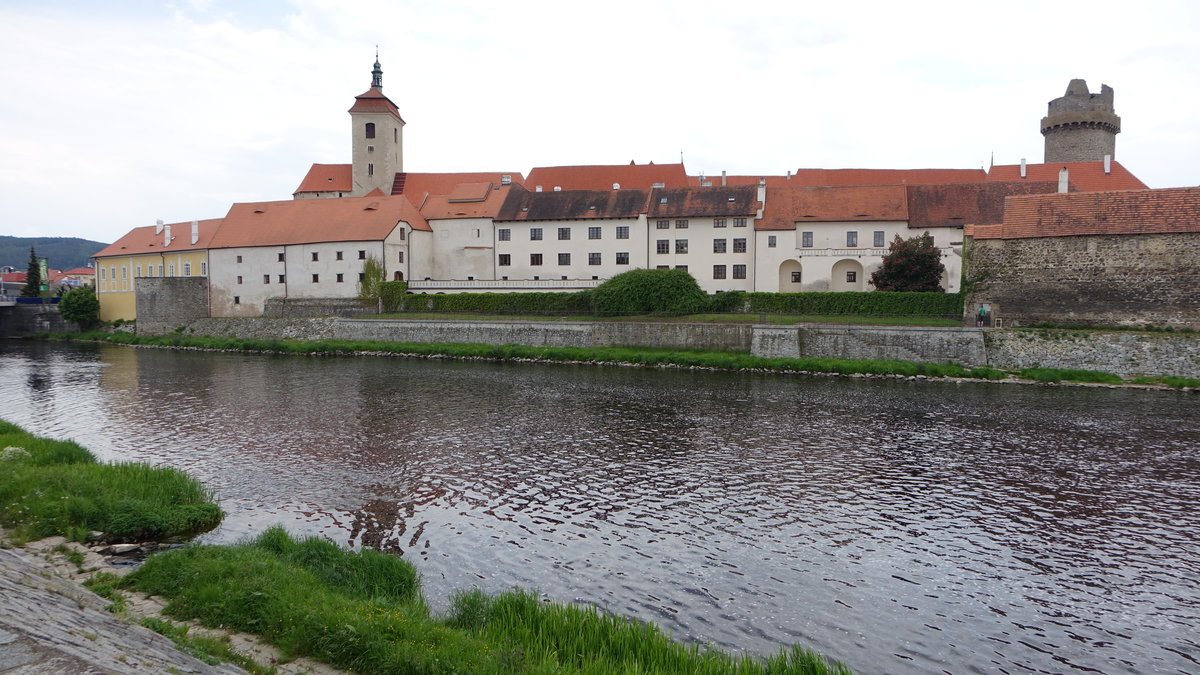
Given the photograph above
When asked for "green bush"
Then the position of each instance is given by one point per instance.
(859, 302)
(649, 292)
(392, 294)
(727, 302)
(81, 306)
(504, 303)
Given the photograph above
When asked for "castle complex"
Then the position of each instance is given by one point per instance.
(568, 228)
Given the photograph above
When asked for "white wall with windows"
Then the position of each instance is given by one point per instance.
(717, 252)
(570, 249)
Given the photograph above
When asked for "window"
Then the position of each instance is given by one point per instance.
(593, 258)
(138, 273)
(663, 246)
(112, 272)
(739, 222)
(593, 232)
(806, 239)
(504, 234)
(681, 224)
(879, 239)
(662, 224)
(622, 232)
(170, 269)
(719, 245)
(187, 269)
(237, 299)
(795, 277)
(851, 277)
(739, 271)
(564, 258)
(739, 245)
(681, 267)
(316, 256)
(266, 278)
(125, 272)
(505, 259)
(337, 255)
(362, 255)
(203, 268)
(681, 245)
(535, 259)
(718, 222)
(851, 239)
(280, 257)
(370, 148)
(103, 276)
(564, 233)
(370, 169)
(771, 239)
(362, 277)
(239, 258)
(370, 130)
(535, 234)
(623, 258)
(160, 268)
(718, 271)
(316, 278)
(282, 278)
(400, 257)
(340, 277)
(239, 279)
(402, 233)
(662, 267)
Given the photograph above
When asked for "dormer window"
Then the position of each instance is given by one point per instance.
(370, 127)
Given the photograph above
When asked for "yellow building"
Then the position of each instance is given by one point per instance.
(174, 250)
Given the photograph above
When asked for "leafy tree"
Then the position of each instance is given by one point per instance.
(373, 277)
(913, 265)
(33, 277)
(81, 306)
(649, 291)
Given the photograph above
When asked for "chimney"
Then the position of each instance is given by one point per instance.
(789, 176)
(158, 226)
(1107, 165)
(723, 181)
(195, 232)
(1062, 180)
(166, 236)
(1022, 167)
(762, 190)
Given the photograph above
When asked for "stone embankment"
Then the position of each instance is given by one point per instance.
(49, 623)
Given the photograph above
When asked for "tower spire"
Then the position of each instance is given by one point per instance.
(377, 74)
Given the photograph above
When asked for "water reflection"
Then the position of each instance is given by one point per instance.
(901, 527)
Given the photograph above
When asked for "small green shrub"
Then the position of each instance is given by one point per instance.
(392, 294)
(646, 291)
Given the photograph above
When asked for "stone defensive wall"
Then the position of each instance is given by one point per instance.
(1125, 354)
(1091, 279)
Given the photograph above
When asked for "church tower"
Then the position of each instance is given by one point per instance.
(1081, 126)
(378, 138)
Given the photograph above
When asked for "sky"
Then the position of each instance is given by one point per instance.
(114, 114)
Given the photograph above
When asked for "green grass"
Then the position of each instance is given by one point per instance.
(58, 488)
(1069, 375)
(363, 612)
(208, 649)
(1169, 380)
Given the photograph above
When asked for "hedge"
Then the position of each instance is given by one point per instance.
(878, 303)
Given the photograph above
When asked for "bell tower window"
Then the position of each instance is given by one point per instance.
(370, 128)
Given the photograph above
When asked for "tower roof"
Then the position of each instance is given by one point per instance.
(373, 100)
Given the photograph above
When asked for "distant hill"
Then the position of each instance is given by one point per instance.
(61, 253)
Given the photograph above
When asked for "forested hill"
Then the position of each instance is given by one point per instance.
(61, 253)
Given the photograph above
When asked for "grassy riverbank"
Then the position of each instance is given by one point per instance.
(50, 487)
(729, 317)
(363, 612)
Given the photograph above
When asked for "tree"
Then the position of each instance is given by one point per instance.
(33, 277)
(913, 265)
(81, 306)
(373, 276)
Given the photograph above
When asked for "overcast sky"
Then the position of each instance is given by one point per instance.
(113, 114)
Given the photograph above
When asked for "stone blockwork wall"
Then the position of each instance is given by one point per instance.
(1099, 280)
(1126, 354)
(554, 333)
(252, 328)
(165, 303)
(301, 307)
(937, 345)
(21, 320)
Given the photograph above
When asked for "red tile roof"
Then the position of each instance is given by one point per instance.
(328, 178)
(840, 177)
(1098, 213)
(523, 204)
(787, 206)
(602, 177)
(14, 277)
(444, 207)
(1083, 176)
(304, 221)
(700, 202)
(373, 101)
(959, 204)
(418, 186)
(141, 240)
(80, 271)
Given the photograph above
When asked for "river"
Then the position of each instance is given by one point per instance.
(899, 526)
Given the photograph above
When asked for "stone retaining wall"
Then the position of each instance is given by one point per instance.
(1126, 354)
(964, 346)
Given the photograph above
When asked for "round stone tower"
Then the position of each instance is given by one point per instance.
(1081, 126)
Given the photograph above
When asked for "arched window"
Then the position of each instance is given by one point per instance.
(370, 130)
(398, 276)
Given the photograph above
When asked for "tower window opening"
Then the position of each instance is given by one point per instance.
(370, 129)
